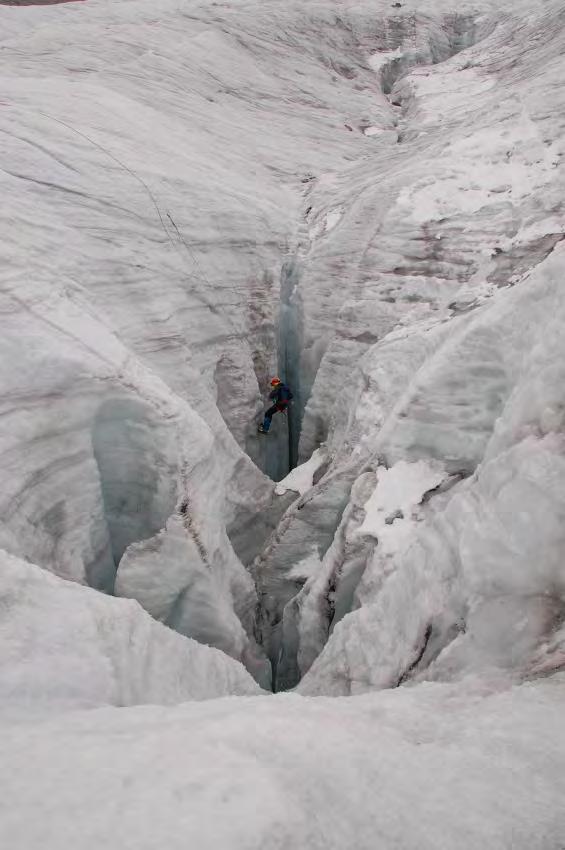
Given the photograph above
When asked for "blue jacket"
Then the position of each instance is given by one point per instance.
(281, 394)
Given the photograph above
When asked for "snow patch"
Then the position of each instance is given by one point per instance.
(377, 60)
(307, 568)
(300, 479)
(392, 510)
(332, 219)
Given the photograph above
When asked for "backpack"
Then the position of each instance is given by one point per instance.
(285, 393)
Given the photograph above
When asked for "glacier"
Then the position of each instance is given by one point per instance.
(366, 198)
(66, 647)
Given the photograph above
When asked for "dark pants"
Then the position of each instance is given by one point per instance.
(276, 408)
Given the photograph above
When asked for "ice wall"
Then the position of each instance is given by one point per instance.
(66, 647)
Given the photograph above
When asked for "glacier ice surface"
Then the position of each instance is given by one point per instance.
(367, 199)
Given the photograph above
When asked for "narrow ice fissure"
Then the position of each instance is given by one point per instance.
(276, 454)
(289, 355)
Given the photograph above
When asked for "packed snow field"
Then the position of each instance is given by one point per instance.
(366, 198)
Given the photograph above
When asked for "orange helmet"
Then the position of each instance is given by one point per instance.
(275, 381)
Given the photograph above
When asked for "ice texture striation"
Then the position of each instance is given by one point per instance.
(367, 199)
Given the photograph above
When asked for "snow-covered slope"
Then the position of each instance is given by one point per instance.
(416, 769)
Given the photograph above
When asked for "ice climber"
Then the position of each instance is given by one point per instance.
(280, 395)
